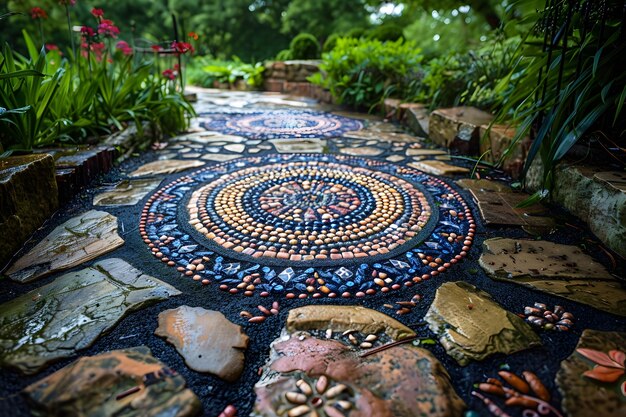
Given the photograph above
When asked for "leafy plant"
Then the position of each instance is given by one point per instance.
(305, 46)
(24, 86)
(472, 78)
(361, 72)
(205, 71)
(565, 94)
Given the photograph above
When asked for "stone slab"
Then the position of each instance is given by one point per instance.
(207, 340)
(78, 240)
(92, 386)
(165, 167)
(28, 197)
(500, 208)
(208, 137)
(458, 128)
(556, 269)
(598, 203)
(126, 193)
(472, 326)
(484, 185)
(361, 151)
(299, 145)
(587, 397)
(219, 157)
(416, 118)
(425, 152)
(438, 168)
(342, 318)
(54, 321)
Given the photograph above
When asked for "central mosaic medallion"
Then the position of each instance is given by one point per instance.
(308, 225)
(280, 124)
(310, 213)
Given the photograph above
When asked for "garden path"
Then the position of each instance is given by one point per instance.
(284, 258)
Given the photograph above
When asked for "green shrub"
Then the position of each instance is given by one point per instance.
(385, 33)
(361, 73)
(356, 33)
(305, 46)
(204, 71)
(470, 78)
(330, 42)
(284, 55)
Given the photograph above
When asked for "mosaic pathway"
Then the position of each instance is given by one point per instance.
(335, 269)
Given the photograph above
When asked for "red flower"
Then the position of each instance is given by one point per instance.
(193, 35)
(97, 13)
(170, 74)
(87, 32)
(157, 48)
(124, 47)
(107, 28)
(38, 13)
(52, 47)
(182, 47)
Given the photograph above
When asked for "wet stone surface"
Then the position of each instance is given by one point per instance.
(78, 240)
(561, 270)
(164, 167)
(126, 193)
(472, 326)
(60, 318)
(129, 382)
(206, 339)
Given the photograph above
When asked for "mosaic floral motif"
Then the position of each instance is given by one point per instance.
(608, 368)
(308, 225)
(527, 392)
(319, 398)
(281, 124)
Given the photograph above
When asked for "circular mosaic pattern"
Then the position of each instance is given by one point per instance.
(308, 225)
(281, 124)
(310, 213)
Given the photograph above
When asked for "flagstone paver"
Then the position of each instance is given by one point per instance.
(78, 240)
(438, 168)
(56, 320)
(472, 326)
(207, 340)
(126, 193)
(299, 145)
(164, 167)
(129, 382)
(500, 208)
(345, 318)
(562, 270)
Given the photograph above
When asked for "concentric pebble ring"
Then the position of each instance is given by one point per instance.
(308, 226)
(281, 124)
